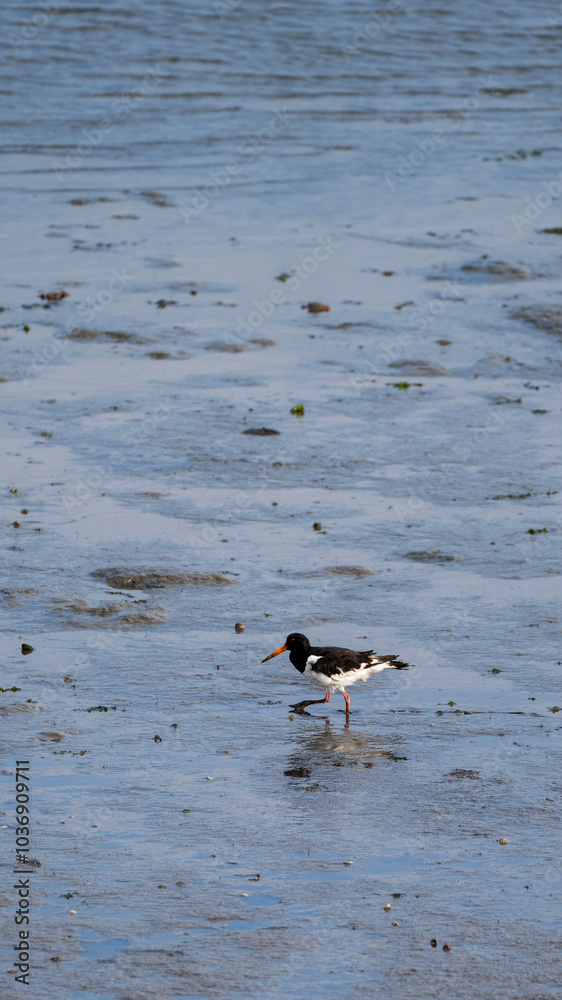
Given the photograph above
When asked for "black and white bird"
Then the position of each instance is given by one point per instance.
(331, 667)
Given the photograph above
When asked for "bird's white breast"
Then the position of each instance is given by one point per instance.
(312, 675)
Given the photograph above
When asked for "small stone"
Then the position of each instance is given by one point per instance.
(433, 943)
(317, 526)
(207, 778)
(446, 947)
(157, 739)
(16, 524)
(14, 489)
(387, 907)
(26, 648)
(261, 431)
(244, 894)
(239, 627)
(395, 923)
(316, 307)
(348, 862)
(504, 840)
(72, 911)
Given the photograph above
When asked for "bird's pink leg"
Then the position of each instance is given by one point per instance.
(321, 700)
(347, 702)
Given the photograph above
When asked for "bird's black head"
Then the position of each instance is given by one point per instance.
(297, 641)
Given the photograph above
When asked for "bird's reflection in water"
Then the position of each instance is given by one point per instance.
(338, 748)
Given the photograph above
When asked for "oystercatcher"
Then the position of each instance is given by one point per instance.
(331, 667)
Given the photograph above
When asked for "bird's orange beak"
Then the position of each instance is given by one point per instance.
(276, 653)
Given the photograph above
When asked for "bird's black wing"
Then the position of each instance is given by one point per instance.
(334, 660)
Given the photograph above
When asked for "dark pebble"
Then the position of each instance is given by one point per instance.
(54, 296)
(261, 431)
(316, 307)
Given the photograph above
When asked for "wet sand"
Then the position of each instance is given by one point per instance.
(211, 842)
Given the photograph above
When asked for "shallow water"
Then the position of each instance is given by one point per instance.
(211, 862)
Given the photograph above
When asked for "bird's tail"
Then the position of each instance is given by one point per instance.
(385, 660)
